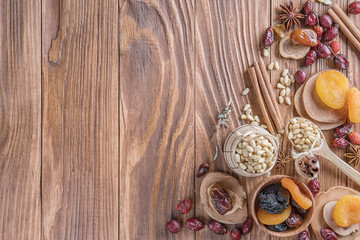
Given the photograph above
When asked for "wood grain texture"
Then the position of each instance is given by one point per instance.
(80, 119)
(156, 116)
(20, 119)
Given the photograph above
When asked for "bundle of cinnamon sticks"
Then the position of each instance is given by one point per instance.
(260, 81)
(346, 25)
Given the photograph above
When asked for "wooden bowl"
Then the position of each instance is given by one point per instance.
(253, 205)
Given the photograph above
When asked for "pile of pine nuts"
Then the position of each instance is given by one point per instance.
(303, 133)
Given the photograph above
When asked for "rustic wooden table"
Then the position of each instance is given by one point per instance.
(107, 108)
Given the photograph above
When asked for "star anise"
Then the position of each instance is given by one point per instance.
(282, 161)
(290, 16)
(354, 155)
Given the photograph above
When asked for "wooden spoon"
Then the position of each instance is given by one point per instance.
(325, 152)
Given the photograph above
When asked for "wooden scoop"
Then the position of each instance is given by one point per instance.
(325, 152)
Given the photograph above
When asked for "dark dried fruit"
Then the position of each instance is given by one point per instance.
(308, 7)
(217, 227)
(194, 224)
(335, 46)
(174, 226)
(326, 21)
(304, 235)
(328, 234)
(330, 34)
(311, 19)
(314, 186)
(221, 199)
(269, 37)
(319, 31)
(343, 130)
(184, 206)
(300, 76)
(340, 143)
(297, 207)
(341, 61)
(273, 200)
(310, 57)
(354, 8)
(282, 227)
(235, 234)
(294, 220)
(203, 169)
(247, 226)
(323, 51)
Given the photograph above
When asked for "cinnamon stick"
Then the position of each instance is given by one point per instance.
(266, 94)
(263, 108)
(346, 25)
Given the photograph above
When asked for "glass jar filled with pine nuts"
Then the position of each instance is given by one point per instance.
(251, 151)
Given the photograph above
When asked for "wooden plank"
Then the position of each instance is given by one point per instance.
(227, 43)
(156, 116)
(80, 119)
(20, 121)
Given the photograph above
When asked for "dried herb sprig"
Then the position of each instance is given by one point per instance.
(222, 121)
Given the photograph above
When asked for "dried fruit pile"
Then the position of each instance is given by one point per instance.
(282, 206)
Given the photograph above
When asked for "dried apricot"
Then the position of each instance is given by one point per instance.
(354, 103)
(300, 198)
(332, 87)
(347, 211)
(273, 219)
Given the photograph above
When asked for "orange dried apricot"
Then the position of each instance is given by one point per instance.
(332, 87)
(353, 104)
(273, 219)
(347, 211)
(300, 198)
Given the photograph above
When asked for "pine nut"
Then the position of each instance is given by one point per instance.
(245, 92)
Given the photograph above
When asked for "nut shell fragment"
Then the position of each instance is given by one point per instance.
(289, 50)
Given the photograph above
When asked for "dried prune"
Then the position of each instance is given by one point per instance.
(282, 227)
(217, 227)
(273, 199)
(297, 207)
(294, 220)
(221, 199)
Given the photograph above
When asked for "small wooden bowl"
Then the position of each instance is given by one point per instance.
(253, 205)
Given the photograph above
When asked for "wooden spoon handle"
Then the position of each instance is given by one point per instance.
(326, 152)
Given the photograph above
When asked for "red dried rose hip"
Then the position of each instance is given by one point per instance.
(235, 234)
(328, 234)
(300, 76)
(314, 186)
(335, 46)
(308, 7)
(310, 58)
(304, 235)
(330, 34)
(203, 169)
(342, 130)
(326, 21)
(341, 61)
(311, 19)
(354, 138)
(174, 226)
(354, 8)
(217, 227)
(340, 143)
(269, 37)
(319, 30)
(194, 224)
(247, 226)
(184, 206)
(323, 51)
(294, 220)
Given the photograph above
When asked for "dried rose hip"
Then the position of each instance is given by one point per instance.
(342, 130)
(323, 51)
(328, 234)
(304, 235)
(235, 234)
(308, 7)
(294, 220)
(217, 227)
(319, 30)
(174, 226)
(341, 61)
(326, 21)
(221, 199)
(335, 46)
(330, 33)
(340, 143)
(184, 206)
(247, 226)
(311, 19)
(354, 137)
(310, 58)
(269, 37)
(300, 76)
(194, 224)
(314, 186)
(203, 169)
(354, 8)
